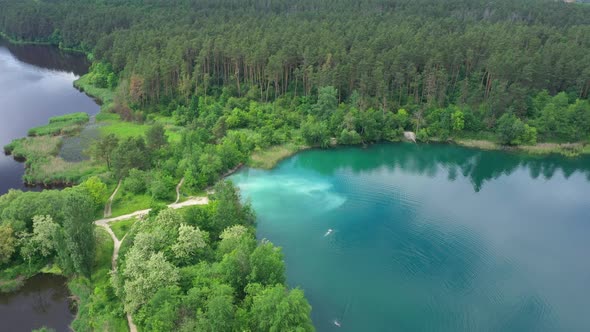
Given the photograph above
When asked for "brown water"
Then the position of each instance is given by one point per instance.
(42, 301)
(36, 83)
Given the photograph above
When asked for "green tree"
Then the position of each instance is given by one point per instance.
(45, 232)
(511, 130)
(276, 309)
(160, 313)
(104, 147)
(96, 189)
(229, 208)
(315, 132)
(77, 245)
(234, 268)
(136, 182)
(130, 153)
(145, 274)
(267, 266)
(327, 102)
(231, 238)
(458, 120)
(156, 137)
(7, 243)
(190, 241)
(348, 137)
(220, 311)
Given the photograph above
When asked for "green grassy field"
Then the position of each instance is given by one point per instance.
(112, 124)
(126, 202)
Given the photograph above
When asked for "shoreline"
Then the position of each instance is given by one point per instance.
(13, 41)
(564, 150)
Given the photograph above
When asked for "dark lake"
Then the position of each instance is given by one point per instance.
(42, 301)
(36, 83)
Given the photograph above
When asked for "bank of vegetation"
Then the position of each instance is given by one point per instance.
(61, 125)
(456, 68)
(40, 152)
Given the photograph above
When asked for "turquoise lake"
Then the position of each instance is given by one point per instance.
(431, 237)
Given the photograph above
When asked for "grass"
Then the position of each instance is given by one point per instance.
(33, 147)
(52, 269)
(564, 149)
(269, 158)
(120, 228)
(68, 124)
(123, 129)
(126, 202)
(112, 124)
(99, 309)
(56, 171)
(478, 144)
(43, 166)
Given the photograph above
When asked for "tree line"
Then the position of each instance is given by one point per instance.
(393, 53)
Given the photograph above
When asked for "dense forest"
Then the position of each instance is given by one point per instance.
(486, 59)
(210, 85)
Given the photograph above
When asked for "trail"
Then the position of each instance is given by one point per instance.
(178, 190)
(107, 207)
(104, 223)
(117, 245)
(140, 213)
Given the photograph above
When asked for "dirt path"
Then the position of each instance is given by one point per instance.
(190, 202)
(117, 245)
(104, 223)
(107, 207)
(178, 190)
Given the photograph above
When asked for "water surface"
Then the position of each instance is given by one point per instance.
(36, 83)
(431, 237)
(42, 301)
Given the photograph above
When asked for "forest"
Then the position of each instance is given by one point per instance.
(478, 60)
(197, 88)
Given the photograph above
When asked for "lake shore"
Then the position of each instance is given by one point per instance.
(268, 159)
(40, 43)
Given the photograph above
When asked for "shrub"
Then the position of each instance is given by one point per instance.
(136, 182)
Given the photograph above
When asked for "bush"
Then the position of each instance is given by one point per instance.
(348, 137)
(136, 182)
(512, 131)
(162, 187)
(422, 135)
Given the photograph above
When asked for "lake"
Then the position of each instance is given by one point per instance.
(42, 301)
(36, 83)
(404, 237)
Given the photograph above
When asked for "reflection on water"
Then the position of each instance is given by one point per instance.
(36, 83)
(42, 301)
(431, 237)
(431, 159)
(47, 57)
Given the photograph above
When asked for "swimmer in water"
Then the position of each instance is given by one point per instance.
(336, 323)
(329, 232)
